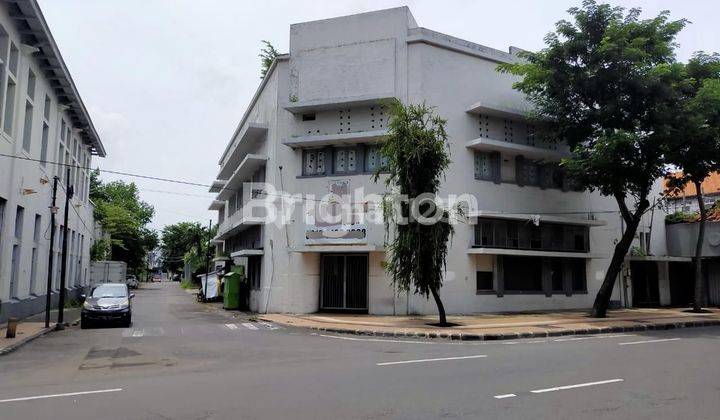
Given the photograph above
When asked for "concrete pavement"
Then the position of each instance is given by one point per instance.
(502, 326)
(183, 360)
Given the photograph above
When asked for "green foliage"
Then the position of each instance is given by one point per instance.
(604, 85)
(188, 284)
(100, 250)
(693, 134)
(186, 242)
(124, 216)
(267, 56)
(417, 155)
(680, 217)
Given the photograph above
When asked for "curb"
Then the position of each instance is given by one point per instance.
(11, 348)
(511, 336)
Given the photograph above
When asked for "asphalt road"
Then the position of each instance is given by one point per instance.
(182, 360)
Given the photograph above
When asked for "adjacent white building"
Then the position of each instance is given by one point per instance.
(42, 122)
(313, 126)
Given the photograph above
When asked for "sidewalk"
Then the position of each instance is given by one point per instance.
(33, 327)
(501, 326)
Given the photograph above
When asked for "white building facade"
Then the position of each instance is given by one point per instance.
(313, 127)
(44, 130)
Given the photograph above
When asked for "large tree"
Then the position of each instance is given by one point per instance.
(601, 83)
(185, 242)
(125, 217)
(417, 155)
(694, 139)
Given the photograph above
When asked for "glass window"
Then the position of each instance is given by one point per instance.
(579, 280)
(27, 128)
(484, 166)
(522, 274)
(484, 281)
(44, 144)
(9, 107)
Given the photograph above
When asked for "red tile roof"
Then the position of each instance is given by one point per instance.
(710, 186)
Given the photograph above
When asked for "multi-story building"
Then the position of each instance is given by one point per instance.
(44, 130)
(533, 241)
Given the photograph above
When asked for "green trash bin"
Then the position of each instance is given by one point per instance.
(232, 288)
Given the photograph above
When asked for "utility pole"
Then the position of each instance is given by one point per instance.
(51, 253)
(63, 267)
(207, 258)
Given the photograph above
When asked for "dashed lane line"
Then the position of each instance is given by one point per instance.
(583, 385)
(249, 326)
(69, 394)
(439, 359)
(503, 396)
(231, 326)
(648, 341)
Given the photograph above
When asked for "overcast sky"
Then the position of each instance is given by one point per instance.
(167, 81)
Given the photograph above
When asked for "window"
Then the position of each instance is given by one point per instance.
(27, 128)
(578, 279)
(37, 228)
(9, 107)
(523, 234)
(484, 281)
(314, 162)
(31, 85)
(62, 130)
(345, 161)
(19, 216)
(556, 275)
(14, 59)
(487, 166)
(308, 117)
(2, 223)
(526, 171)
(522, 274)
(525, 275)
(44, 144)
(46, 109)
(374, 159)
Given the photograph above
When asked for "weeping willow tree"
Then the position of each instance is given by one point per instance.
(417, 156)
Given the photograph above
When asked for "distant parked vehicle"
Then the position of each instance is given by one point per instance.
(131, 281)
(108, 302)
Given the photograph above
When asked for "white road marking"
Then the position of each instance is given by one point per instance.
(511, 342)
(249, 326)
(537, 341)
(594, 337)
(648, 341)
(440, 359)
(127, 332)
(560, 388)
(380, 340)
(500, 397)
(138, 333)
(269, 325)
(231, 326)
(70, 394)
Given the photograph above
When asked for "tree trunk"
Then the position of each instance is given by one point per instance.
(602, 300)
(697, 301)
(441, 308)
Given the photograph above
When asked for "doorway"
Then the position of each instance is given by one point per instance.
(645, 287)
(344, 283)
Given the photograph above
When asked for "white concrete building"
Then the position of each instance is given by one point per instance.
(42, 122)
(313, 127)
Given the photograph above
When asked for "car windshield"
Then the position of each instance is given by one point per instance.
(110, 291)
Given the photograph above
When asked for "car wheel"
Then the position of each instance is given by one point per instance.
(84, 323)
(128, 322)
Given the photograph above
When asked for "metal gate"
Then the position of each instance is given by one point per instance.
(344, 282)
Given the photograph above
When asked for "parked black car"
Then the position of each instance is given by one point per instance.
(107, 302)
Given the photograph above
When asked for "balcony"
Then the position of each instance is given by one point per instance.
(245, 141)
(217, 185)
(236, 223)
(316, 105)
(217, 205)
(509, 129)
(250, 164)
(531, 152)
(341, 139)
